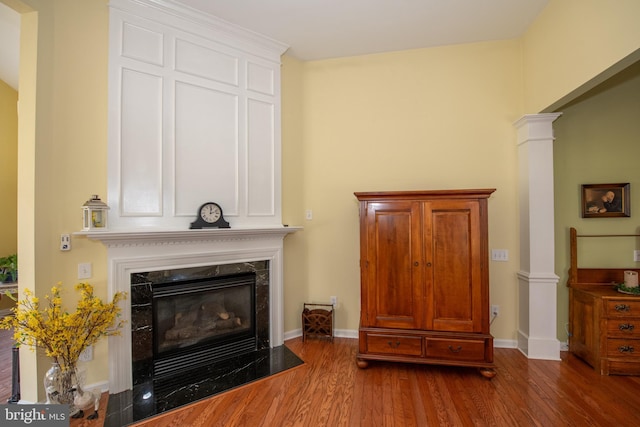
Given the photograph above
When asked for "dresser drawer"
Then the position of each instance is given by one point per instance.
(623, 328)
(452, 349)
(623, 348)
(394, 344)
(623, 308)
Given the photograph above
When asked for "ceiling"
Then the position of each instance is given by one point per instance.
(10, 45)
(321, 29)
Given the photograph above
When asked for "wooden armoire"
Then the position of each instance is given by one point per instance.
(424, 267)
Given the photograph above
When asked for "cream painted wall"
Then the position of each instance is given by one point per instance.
(8, 169)
(575, 44)
(596, 143)
(296, 289)
(433, 118)
(62, 158)
(421, 119)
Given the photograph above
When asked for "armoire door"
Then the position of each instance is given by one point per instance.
(453, 276)
(394, 286)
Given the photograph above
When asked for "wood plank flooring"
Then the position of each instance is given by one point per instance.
(329, 390)
(6, 343)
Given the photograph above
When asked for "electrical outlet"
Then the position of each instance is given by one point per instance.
(636, 255)
(495, 310)
(334, 300)
(86, 355)
(65, 242)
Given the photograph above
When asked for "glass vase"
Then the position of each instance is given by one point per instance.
(62, 385)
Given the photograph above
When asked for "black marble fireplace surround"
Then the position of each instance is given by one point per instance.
(151, 396)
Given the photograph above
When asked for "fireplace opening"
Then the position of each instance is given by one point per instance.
(217, 369)
(197, 322)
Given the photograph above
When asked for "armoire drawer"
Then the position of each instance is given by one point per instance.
(452, 349)
(394, 344)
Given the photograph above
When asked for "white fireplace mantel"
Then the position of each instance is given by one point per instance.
(134, 251)
(159, 237)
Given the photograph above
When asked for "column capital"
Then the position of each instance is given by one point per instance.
(535, 127)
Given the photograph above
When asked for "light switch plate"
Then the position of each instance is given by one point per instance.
(84, 270)
(499, 255)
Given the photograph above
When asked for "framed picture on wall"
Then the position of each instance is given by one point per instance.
(605, 200)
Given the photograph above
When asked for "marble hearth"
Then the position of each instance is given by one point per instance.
(140, 403)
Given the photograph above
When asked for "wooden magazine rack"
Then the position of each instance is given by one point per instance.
(317, 321)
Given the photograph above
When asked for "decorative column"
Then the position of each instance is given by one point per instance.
(537, 281)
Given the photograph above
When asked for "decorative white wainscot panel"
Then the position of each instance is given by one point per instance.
(206, 164)
(207, 63)
(260, 79)
(194, 116)
(142, 44)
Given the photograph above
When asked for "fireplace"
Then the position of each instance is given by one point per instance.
(188, 318)
(143, 259)
(196, 322)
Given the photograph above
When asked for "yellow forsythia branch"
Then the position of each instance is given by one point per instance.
(63, 335)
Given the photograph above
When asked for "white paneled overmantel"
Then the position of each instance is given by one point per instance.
(194, 116)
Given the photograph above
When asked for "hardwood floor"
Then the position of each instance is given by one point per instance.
(6, 342)
(329, 390)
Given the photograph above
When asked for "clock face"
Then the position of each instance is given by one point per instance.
(210, 212)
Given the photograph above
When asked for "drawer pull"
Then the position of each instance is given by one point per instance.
(622, 307)
(626, 327)
(625, 349)
(455, 350)
(394, 345)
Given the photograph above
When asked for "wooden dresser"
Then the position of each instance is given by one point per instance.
(425, 278)
(604, 324)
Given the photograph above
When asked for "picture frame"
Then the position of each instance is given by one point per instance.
(605, 200)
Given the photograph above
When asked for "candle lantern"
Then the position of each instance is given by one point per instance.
(94, 214)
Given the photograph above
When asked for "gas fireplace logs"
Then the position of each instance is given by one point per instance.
(201, 321)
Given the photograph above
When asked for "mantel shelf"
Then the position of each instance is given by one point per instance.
(159, 236)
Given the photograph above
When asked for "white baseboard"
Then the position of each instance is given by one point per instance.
(338, 333)
(505, 343)
(351, 333)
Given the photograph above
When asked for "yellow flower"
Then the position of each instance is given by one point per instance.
(63, 335)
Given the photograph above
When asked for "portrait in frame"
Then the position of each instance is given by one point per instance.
(605, 200)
